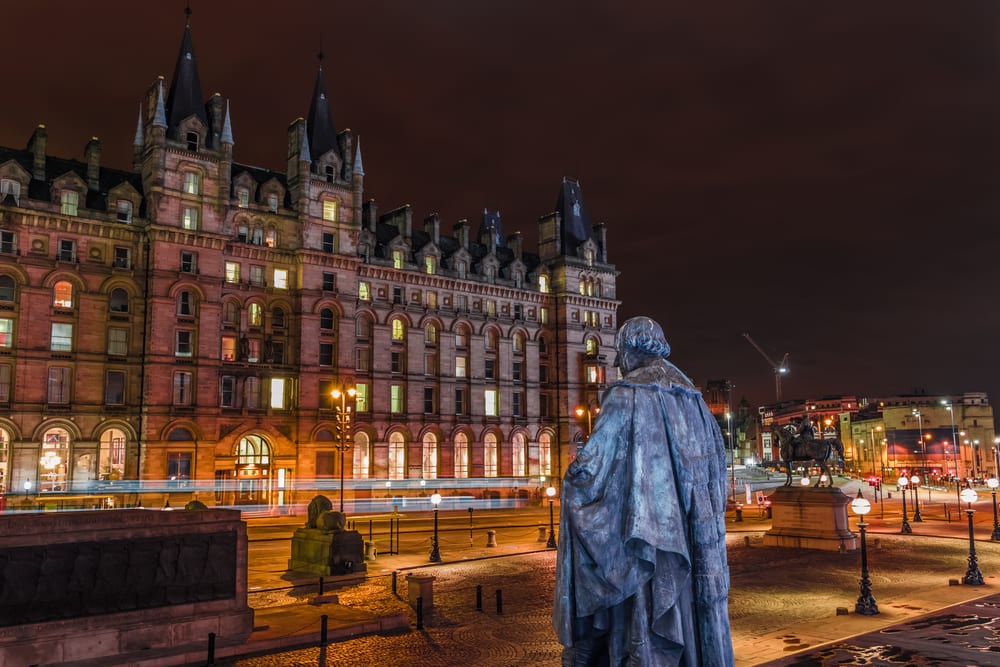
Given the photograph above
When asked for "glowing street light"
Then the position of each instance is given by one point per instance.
(343, 430)
(915, 480)
(993, 483)
(973, 577)
(435, 553)
(551, 493)
(866, 602)
(901, 483)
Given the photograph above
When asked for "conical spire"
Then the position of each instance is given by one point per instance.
(322, 135)
(304, 154)
(359, 168)
(139, 139)
(160, 115)
(185, 98)
(227, 128)
(576, 226)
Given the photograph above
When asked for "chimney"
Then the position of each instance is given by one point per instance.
(516, 245)
(370, 215)
(462, 233)
(37, 146)
(93, 156)
(601, 236)
(432, 225)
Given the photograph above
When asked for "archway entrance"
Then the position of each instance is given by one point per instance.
(253, 471)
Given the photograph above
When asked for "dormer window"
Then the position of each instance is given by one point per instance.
(330, 210)
(124, 211)
(329, 173)
(543, 284)
(12, 188)
(272, 203)
(430, 264)
(243, 197)
(397, 259)
(192, 183)
(192, 141)
(69, 203)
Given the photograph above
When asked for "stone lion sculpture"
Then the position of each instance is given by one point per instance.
(317, 506)
(331, 521)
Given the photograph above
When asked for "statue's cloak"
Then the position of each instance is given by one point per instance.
(642, 546)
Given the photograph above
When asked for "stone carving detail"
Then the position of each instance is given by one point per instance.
(317, 506)
(59, 581)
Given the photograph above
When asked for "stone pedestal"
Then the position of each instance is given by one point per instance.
(810, 518)
(326, 554)
(420, 586)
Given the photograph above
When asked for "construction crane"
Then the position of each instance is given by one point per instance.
(779, 369)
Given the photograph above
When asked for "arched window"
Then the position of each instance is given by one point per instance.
(255, 314)
(363, 327)
(6, 288)
(111, 458)
(4, 459)
(429, 457)
(252, 449)
(397, 456)
(543, 347)
(118, 301)
(519, 342)
(362, 455)
(490, 455)
(278, 318)
(544, 454)
(185, 303)
(398, 329)
(53, 461)
(520, 455)
(63, 294)
(326, 319)
(461, 456)
(591, 346)
(431, 333)
(230, 312)
(491, 340)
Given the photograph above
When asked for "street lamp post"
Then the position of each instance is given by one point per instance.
(993, 483)
(949, 406)
(901, 483)
(920, 439)
(973, 577)
(732, 455)
(435, 553)
(915, 480)
(551, 493)
(866, 602)
(343, 430)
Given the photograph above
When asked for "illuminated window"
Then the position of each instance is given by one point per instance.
(277, 393)
(544, 454)
(63, 291)
(398, 330)
(69, 203)
(396, 399)
(281, 279)
(330, 210)
(492, 399)
(232, 272)
(192, 185)
(270, 238)
(461, 456)
(6, 332)
(362, 455)
(543, 283)
(364, 291)
(124, 210)
(255, 314)
(243, 197)
(429, 458)
(430, 265)
(591, 346)
(460, 367)
(229, 348)
(397, 259)
(490, 455)
(189, 219)
(361, 397)
(62, 337)
(12, 188)
(111, 457)
(520, 453)
(397, 456)
(54, 461)
(430, 333)
(519, 342)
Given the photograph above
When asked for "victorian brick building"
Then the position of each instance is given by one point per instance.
(185, 323)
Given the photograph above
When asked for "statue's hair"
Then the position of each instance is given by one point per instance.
(643, 335)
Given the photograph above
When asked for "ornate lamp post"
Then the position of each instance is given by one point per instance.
(954, 437)
(902, 482)
(551, 493)
(866, 602)
(993, 483)
(973, 577)
(915, 480)
(343, 430)
(435, 554)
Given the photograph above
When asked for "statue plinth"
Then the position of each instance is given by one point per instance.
(327, 553)
(810, 518)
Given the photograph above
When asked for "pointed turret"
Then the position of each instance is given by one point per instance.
(160, 115)
(359, 168)
(227, 128)
(322, 135)
(138, 140)
(304, 153)
(576, 226)
(137, 143)
(184, 99)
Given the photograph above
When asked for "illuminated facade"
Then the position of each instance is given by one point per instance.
(186, 321)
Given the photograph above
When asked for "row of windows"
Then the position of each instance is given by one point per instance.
(57, 461)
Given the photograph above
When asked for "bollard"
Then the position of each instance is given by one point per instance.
(491, 538)
(370, 551)
(323, 621)
(541, 534)
(321, 585)
(769, 516)
(211, 648)
(739, 513)
(746, 540)
(499, 601)
(394, 574)
(420, 613)
(479, 597)
(878, 542)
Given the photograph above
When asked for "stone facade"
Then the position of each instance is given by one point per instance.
(184, 322)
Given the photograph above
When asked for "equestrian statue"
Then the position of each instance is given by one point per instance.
(800, 444)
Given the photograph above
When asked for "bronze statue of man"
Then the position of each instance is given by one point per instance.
(641, 575)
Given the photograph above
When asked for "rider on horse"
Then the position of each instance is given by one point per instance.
(807, 431)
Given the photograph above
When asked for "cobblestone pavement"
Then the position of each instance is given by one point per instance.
(782, 602)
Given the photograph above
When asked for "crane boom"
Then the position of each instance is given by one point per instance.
(779, 369)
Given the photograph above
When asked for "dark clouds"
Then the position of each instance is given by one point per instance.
(821, 176)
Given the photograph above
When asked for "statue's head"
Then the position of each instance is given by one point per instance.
(639, 341)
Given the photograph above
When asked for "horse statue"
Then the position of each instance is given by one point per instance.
(792, 448)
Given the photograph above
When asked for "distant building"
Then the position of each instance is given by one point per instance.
(185, 321)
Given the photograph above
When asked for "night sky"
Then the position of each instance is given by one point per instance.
(825, 177)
